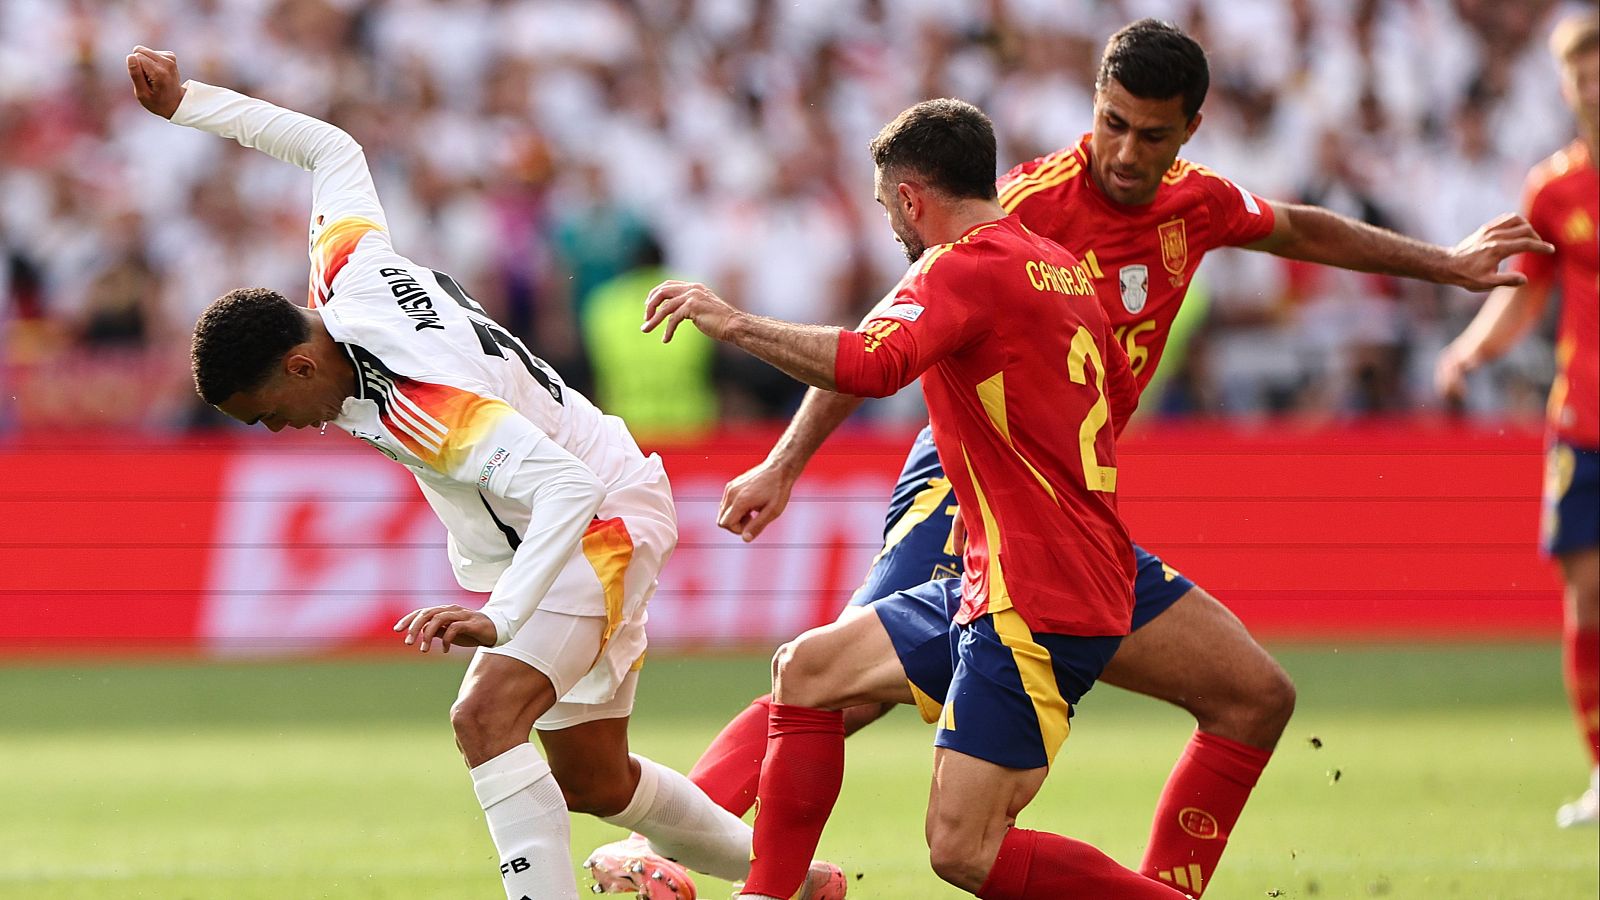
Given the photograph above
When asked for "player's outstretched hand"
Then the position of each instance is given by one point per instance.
(1475, 262)
(674, 301)
(155, 80)
(753, 500)
(450, 624)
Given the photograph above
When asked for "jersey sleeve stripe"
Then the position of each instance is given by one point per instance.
(1060, 177)
(1034, 181)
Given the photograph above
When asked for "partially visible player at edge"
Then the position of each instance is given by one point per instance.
(1141, 219)
(549, 504)
(1026, 389)
(1562, 200)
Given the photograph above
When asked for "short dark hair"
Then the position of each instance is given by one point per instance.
(240, 337)
(948, 142)
(1155, 60)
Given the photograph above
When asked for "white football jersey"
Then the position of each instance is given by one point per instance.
(514, 462)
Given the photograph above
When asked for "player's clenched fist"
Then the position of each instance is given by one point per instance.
(450, 624)
(155, 80)
(674, 301)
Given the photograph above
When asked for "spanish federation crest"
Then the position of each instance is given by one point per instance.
(1174, 246)
(1135, 282)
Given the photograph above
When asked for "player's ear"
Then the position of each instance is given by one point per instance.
(1194, 124)
(299, 365)
(909, 199)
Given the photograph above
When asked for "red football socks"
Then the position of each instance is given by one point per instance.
(1202, 800)
(1036, 864)
(1581, 655)
(800, 782)
(731, 767)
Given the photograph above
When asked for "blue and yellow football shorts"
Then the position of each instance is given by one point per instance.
(917, 546)
(1571, 519)
(1011, 698)
(998, 691)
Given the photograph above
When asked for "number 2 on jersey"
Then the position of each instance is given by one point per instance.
(1084, 349)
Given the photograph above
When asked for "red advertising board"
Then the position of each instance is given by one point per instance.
(257, 544)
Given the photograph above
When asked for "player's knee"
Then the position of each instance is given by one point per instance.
(1261, 711)
(957, 859)
(483, 728)
(798, 673)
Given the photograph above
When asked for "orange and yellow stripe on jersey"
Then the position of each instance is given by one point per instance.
(437, 423)
(609, 549)
(331, 249)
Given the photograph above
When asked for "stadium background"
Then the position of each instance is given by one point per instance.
(556, 156)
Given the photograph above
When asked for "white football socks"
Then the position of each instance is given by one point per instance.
(682, 824)
(528, 822)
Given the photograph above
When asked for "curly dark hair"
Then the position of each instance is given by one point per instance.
(239, 338)
(948, 142)
(1155, 60)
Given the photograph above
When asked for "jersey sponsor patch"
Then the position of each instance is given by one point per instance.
(907, 311)
(501, 454)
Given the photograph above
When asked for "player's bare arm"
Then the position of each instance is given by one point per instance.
(1502, 321)
(803, 352)
(756, 498)
(1314, 234)
(156, 84)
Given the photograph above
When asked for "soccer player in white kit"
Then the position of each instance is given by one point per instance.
(551, 507)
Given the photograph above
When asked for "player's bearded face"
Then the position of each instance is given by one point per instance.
(1135, 142)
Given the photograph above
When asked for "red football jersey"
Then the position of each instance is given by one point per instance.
(1141, 257)
(1563, 203)
(1026, 389)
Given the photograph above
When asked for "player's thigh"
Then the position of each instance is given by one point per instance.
(884, 654)
(1197, 654)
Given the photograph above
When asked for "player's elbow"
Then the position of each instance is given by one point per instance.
(582, 488)
(336, 144)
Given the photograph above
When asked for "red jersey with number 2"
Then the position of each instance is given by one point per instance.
(1141, 257)
(1563, 203)
(1026, 390)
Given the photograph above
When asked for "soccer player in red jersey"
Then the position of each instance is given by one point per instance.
(1563, 203)
(1140, 219)
(1026, 388)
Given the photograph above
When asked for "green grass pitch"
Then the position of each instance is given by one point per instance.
(339, 780)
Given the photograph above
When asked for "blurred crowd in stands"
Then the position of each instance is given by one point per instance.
(560, 156)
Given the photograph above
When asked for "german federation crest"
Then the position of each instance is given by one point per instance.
(1135, 282)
